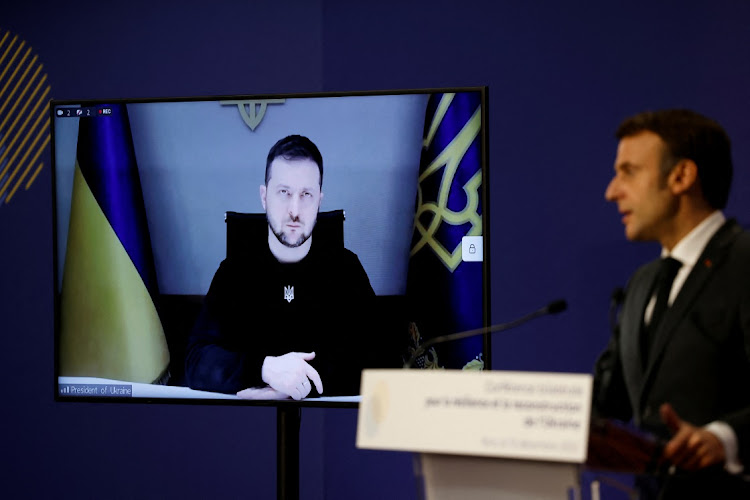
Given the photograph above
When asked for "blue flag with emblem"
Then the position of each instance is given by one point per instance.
(109, 325)
(444, 285)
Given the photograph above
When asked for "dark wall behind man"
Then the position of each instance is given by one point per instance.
(561, 77)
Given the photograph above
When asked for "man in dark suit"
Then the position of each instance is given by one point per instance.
(678, 363)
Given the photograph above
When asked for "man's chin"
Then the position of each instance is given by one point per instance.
(635, 235)
(294, 244)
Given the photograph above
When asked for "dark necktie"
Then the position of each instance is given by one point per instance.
(668, 268)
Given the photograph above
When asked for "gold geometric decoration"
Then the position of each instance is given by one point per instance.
(24, 117)
(444, 166)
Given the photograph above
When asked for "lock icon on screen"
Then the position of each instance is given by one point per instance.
(471, 249)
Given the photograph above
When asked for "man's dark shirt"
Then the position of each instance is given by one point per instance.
(258, 307)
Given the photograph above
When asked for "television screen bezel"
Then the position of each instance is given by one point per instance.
(311, 402)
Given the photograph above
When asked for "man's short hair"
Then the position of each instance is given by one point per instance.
(295, 147)
(689, 135)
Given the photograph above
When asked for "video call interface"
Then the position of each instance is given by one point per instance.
(142, 189)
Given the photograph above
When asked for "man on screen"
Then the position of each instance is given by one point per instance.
(280, 322)
(678, 362)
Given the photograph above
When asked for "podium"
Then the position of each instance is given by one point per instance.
(450, 477)
(496, 435)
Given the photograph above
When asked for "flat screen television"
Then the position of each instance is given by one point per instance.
(153, 196)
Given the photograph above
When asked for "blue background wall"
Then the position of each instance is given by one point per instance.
(560, 78)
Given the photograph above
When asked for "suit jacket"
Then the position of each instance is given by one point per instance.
(699, 360)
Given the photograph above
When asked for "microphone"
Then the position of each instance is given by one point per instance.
(615, 301)
(553, 307)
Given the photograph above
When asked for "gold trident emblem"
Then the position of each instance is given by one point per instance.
(447, 162)
(252, 111)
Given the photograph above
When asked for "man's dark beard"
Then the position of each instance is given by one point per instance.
(282, 239)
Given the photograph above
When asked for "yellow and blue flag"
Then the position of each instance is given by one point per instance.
(445, 290)
(109, 325)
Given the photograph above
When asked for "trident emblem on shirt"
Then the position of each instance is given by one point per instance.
(288, 293)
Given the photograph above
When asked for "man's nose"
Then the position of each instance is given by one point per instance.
(294, 207)
(612, 191)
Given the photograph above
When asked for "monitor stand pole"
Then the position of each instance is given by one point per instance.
(287, 452)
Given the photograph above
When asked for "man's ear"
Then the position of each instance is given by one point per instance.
(263, 195)
(683, 177)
